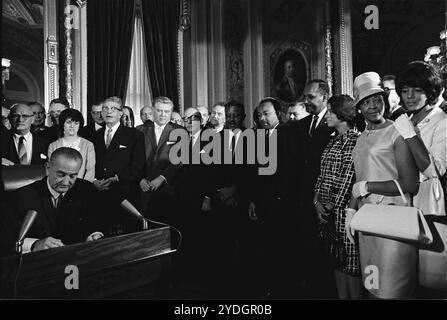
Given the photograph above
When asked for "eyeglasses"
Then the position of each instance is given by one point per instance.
(190, 119)
(16, 117)
(96, 113)
(39, 113)
(113, 109)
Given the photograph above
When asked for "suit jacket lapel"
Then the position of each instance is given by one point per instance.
(12, 153)
(164, 136)
(149, 139)
(323, 122)
(116, 138)
(47, 204)
(35, 156)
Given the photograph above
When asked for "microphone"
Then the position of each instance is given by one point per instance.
(26, 225)
(128, 207)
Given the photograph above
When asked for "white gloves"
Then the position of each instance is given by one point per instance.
(359, 189)
(349, 231)
(404, 126)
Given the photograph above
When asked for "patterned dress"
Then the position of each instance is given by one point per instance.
(334, 185)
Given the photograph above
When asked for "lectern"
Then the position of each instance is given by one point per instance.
(108, 268)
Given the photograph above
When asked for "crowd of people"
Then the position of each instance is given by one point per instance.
(246, 235)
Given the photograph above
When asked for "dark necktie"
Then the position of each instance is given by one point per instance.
(313, 125)
(233, 143)
(267, 141)
(58, 201)
(22, 151)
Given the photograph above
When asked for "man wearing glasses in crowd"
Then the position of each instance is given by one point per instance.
(23, 147)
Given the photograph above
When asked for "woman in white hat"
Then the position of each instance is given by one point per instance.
(381, 156)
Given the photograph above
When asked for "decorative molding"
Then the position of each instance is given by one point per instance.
(51, 54)
(328, 54)
(185, 15)
(81, 3)
(235, 28)
(345, 48)
(68, 55)
(180, 69)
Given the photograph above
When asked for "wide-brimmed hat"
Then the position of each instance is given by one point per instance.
(366, 85)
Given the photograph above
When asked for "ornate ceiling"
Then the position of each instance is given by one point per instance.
(25, 12)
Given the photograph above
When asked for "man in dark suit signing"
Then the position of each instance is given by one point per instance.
(21, 146)
(119, 154)
(65, 205)
(158, 181)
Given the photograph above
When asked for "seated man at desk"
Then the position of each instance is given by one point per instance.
(65, 205)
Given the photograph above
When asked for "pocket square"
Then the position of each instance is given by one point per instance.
(42, 156)
(170, 142)
(122, 147)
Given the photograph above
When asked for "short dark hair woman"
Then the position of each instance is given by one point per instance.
(70, 120)
(332, 195)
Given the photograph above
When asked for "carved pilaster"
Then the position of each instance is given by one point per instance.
(51, 54)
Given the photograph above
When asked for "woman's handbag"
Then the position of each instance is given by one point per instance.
(388, 242)
(391, 221)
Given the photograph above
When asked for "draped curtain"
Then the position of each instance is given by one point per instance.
(110, 32)
(161, 23)
(138, 90)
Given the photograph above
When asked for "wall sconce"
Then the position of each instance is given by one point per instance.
(6, 63)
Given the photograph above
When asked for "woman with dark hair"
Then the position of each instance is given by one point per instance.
(127, 119)
(425, 132)
(332, 195)
(70, 120)
(382, 158)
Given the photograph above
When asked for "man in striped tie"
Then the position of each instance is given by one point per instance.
(22, 146)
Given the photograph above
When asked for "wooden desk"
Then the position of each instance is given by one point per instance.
(107, 267)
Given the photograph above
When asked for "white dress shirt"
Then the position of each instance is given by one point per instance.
(28, 142)
(158, 131)
(321, 116)
(97, 126)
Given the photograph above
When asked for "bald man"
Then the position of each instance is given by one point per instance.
(146, 114)
(22, 146)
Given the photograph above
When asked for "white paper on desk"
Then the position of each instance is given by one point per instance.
(397, 222)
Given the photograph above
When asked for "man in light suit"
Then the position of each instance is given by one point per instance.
(21, 146)
(119, 154)
(158, 182)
